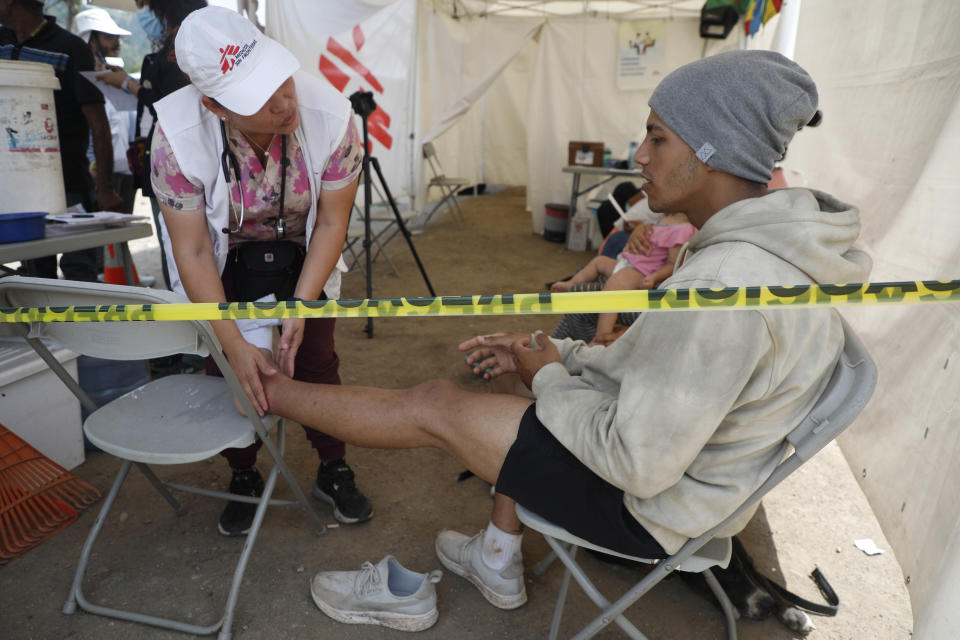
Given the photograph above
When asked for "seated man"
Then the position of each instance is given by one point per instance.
(653, 440)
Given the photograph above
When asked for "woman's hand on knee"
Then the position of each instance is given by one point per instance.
(291, 337)
(248, 363)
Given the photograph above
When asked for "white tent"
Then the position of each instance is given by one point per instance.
(504, 85)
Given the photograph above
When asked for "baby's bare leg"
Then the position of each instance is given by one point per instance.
(623, 280)
(601, 265)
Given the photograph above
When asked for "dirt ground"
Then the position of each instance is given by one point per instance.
(157, 563)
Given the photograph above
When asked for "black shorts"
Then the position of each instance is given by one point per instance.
(544, 477)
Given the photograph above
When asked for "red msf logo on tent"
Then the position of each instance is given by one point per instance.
(379, 121)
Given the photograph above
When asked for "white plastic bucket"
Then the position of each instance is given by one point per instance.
(31, 178)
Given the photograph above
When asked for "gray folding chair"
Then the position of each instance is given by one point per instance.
(448, 186)
(173, 420)
(846, 394)
(383, 229)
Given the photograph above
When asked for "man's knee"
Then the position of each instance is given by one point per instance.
(434, 394)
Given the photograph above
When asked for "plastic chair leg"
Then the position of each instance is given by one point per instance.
(70, 606)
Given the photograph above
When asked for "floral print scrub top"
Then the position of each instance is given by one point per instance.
(260, 184)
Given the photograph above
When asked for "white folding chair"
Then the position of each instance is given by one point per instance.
(173, 420)
(846, 394)
(448, 186)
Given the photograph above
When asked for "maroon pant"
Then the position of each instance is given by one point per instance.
(316, 361)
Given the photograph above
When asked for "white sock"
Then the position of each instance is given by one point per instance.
(498, 547)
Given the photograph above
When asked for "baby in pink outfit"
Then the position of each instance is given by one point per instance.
(635, 270)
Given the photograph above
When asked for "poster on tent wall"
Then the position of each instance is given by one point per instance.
(641, 53)
(369, 50)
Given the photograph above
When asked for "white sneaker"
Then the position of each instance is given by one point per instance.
(503, 589)
(386, 594)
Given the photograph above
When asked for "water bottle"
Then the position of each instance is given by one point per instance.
(607, 157)
(632, 152)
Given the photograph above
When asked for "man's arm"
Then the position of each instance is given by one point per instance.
(96, 116)
(677, 382)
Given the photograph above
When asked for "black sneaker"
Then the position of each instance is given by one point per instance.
(336, 487)
(238, 516)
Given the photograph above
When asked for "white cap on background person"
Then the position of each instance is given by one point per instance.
(96, 19)
(229, 60)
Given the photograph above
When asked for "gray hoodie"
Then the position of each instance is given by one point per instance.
(688, 411)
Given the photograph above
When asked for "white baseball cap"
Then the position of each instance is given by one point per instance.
(96, 19)
(229, 60)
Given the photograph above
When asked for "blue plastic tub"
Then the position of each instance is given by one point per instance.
(19, 227)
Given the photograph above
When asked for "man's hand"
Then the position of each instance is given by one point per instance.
(492, 355)
(109, 199)
(638, 241)
(531, 357)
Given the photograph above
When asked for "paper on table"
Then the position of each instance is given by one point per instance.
(120, 99)
(96, 218)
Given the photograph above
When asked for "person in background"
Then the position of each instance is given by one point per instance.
(159, 77)
(635, 270)
(636, 224)
(95, 27)
(29, 35)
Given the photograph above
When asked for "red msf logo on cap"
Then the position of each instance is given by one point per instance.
(228, 57)
(233, 54)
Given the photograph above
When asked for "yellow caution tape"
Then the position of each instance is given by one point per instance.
(785, 297)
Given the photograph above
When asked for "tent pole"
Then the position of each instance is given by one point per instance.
(785, 40)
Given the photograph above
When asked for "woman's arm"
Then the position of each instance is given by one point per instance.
(326, 243)
(197, 266)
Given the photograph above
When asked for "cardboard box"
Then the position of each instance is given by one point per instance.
(587, 154)
(36, 405)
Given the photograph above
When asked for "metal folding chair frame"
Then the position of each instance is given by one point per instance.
(18, 291)
(448, 186)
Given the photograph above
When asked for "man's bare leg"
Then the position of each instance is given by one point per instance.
(476, 428)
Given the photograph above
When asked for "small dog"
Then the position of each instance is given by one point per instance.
(756, 597)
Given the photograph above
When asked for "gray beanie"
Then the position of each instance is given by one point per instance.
(737, 110)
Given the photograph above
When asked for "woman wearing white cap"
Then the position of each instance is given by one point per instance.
(255, 167)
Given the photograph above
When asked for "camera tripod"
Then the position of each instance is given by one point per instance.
(363, 104)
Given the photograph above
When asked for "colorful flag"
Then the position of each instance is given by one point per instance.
(757, 14)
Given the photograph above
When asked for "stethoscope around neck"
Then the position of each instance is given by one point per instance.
(228, 161)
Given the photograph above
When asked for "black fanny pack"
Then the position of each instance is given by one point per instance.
(262, 268)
